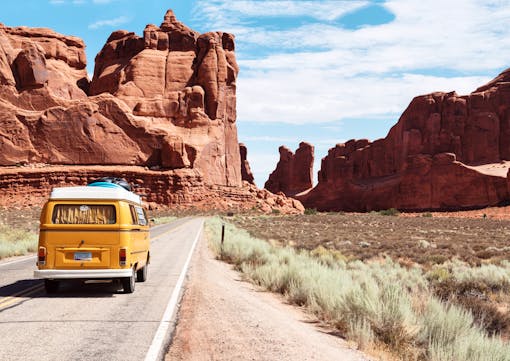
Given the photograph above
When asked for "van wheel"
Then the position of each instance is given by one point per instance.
(141, 274)
(128, 283)
(51, 286)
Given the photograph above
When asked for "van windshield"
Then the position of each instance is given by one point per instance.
(83, 214)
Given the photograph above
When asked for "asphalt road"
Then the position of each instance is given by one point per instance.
(95, 321)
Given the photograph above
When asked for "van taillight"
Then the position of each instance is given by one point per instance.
(42, 256)
(122, 256)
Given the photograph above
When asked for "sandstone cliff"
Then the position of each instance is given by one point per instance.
(447, 152)
(164, 101)
(294, 172)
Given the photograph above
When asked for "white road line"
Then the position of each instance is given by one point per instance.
(18, 261)
(159, 338)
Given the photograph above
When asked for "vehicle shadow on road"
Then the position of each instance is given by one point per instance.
(34, 288)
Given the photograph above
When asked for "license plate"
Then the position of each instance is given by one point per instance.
(82, 256)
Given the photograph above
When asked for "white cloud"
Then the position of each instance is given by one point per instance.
(215, 10)
(109, 22)
(102, 1)
(314, 97)
(320, 72)
(57, 2)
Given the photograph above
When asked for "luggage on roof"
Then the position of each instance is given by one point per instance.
(110, 182)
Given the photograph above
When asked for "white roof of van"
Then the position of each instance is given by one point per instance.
(94, 193)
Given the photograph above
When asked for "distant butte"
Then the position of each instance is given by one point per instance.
(294, 172)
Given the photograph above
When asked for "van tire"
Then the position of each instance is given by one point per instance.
(128, 283)
(51, 286)
(141, 274)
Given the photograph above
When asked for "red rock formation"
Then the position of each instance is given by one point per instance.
(164, 101)
(30, 186)
(294, 172)
(426, 161)
(246, 173)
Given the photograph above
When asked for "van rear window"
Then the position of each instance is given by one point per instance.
(83, 214)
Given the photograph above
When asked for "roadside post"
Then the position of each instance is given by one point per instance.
(222, 236)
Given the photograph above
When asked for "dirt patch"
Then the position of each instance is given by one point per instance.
(425, 239)
(26, 218)
(223, 318)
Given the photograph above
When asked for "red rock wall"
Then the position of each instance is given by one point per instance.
(294, 172)
(179, 189)
(165, 100)
(421, 164)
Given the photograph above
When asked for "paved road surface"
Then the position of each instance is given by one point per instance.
(93, 321)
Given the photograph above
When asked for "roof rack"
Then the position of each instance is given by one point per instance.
(111, 192)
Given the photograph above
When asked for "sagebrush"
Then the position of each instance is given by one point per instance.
(373, 303)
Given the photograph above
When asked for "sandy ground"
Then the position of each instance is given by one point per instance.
(501, 213)
(498, 169)
(224, 318)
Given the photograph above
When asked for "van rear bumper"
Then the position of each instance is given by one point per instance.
(84, 274)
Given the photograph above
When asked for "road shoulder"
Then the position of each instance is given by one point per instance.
(225, 318)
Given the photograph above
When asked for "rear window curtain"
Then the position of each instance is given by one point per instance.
(134, 219)
(84, 214)
(141, 216)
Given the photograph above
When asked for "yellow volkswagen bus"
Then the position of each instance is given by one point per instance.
(99, 231)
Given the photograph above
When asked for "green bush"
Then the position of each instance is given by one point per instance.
(389, 212)
(310, 211)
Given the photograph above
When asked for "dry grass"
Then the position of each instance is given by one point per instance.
(404, 273)
(164, 219)
(18, 231)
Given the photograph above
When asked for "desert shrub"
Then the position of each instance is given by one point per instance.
(16, 242)
(495, 277)
(361, 332)
(275, 211)
(436, 259)
(438, 274)
(389, 212)
(485, 313)
(309, 211)
(379, 303)
(329, 257)
(427, 214)
(164, 219)
(472, 288)
(449, 333)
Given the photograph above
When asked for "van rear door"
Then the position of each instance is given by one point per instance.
(81, 236)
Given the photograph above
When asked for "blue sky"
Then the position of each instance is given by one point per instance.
(322, 71)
